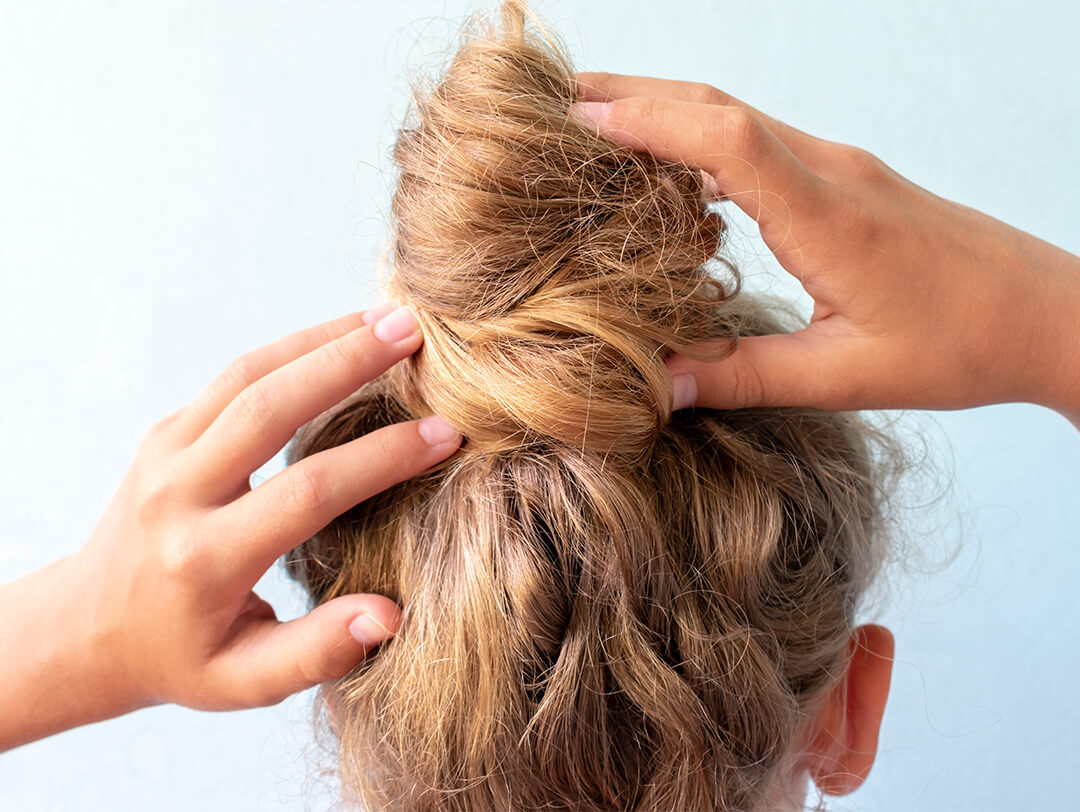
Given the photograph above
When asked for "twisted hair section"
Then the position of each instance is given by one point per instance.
(550, 268)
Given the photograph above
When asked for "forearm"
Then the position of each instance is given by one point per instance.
(54, 677)
(1058, 354)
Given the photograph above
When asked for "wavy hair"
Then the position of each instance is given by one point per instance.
(606, 604)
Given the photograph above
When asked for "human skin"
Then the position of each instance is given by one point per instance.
(158, 605)
(919, 302)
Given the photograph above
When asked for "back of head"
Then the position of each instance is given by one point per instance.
(607, 605)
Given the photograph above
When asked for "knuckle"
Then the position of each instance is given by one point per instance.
(155, 503)
(747, 387)
(346, 352)
(254, 406)
(307, 490)
(314, 665)
(253, 690)
(266, 696)
(739, 130)
(181, 560)
(239, 374)
(861, 163)
(158, 432)
(155, 431)
(626, 113)
(390, 444)
(161, 425)
(599, 79)
(704, 93)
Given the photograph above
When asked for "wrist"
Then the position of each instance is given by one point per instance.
(95, 647)
(61, 677)
(1056, 356)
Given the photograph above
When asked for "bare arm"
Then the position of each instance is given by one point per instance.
(919, 302)
(158, 605)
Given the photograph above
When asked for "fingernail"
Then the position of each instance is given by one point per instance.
(373, 314)
(596, 112)
(396, 326)
(684, 391)
(436, 431)
(368, 631)
(710, 190)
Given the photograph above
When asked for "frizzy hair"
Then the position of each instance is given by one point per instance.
(606, 604)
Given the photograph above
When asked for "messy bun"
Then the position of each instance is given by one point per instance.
(607, 605)
(551, 270)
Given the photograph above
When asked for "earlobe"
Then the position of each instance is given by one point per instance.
(845, 746)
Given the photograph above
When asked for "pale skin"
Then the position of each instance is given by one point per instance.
(919, 303)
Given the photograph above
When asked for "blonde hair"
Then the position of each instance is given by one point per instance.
(607, 605)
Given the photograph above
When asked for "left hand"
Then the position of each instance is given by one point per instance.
(158, 606)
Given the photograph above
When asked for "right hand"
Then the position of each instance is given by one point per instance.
(919, 302)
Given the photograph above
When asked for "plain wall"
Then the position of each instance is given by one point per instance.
(182, 182)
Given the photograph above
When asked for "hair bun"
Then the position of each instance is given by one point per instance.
(552, 270)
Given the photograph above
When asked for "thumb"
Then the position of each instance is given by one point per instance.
(787, 369)
(323, 645)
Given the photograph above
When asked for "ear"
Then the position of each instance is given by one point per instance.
(845, 744)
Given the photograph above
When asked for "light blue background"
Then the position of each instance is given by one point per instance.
(182, 182)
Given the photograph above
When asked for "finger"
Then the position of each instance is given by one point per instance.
(751, 166)
(274, 660)
(604, 87)
(246, 536)
(266, 414)
(193, 419)
(793, 369)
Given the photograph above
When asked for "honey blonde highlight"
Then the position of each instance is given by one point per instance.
(607, 605)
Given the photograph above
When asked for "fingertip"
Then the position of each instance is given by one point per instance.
(679, 364)
(590, 86)
(591, 112)
(694, 383)
(684, 391)
(323, 645)
(397, 326)
(373, 314)
(436, 431)
(710, 189)
(377, 623)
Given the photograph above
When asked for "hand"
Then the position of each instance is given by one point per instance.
(919, 302)
(158, 606)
